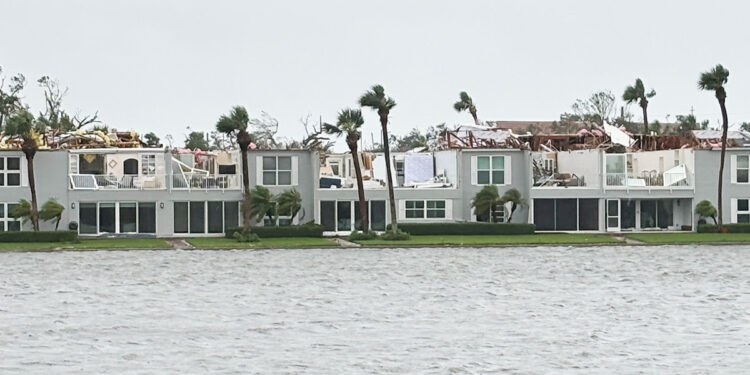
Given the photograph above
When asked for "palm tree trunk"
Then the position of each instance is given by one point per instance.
(245, 190)
(32, 187)
(645, 117)
(725, 129)
(360, 186)
(387, 151)
(474, 115)
(57, 223)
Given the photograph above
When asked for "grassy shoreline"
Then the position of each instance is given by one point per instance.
(548, 239)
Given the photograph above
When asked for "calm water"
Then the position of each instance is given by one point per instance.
(667, 310)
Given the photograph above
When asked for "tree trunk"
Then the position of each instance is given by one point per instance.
(512, 210)
(473, 112)
(57, 223)
(725, 129)
(360, 185)
(32, 186)
(644, 105)
(243, 139)
(386, 149)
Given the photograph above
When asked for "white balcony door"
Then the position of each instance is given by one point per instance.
(613, 215)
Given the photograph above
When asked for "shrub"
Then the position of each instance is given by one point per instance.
(730, 228)
(41, 236)
(246, 237)
(400, 236)
(361, 236)
(306, 230)
(467, 228)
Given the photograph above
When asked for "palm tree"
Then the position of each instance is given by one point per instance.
(52, 210)
(714, 80)
(706, 209)
(235, 124)
(22, 211)
(513, 196)
(487, 200)
(290, 201)
(262, 203)
(637, 93)
(22, 124)
(349, 123)
(376, 99)
(466, 103)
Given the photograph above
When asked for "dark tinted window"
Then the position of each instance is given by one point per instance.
(544, 214)
(197, 217)
(180, 217)
(215, 217)
(147, 217)
(328, 215)
(588, 214)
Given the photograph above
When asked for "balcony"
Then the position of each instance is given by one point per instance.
(201, 181)
(114, 182)
(647, 170)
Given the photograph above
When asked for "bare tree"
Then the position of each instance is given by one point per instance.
(597, 109)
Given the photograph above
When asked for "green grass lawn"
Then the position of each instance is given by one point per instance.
(479, 240)
(264, 243)
(677, 238)
(92, 244)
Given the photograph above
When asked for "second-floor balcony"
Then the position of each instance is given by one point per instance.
(637, 171)
(113, 182)
(200, 181)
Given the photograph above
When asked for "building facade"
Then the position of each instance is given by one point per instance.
(173, 193)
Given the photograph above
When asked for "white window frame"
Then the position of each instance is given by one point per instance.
(5, 172)
(148, 165)
(276, 171)
(491, 169)
(352, 213)
(277, 219)
(743, 212)
(117, 217)
(425, 203)
(737, 169)
(500, 209)
(205, 217)
(7, 218)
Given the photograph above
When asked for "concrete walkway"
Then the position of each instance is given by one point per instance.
(344, 243)
(179, 244)
(629, 241)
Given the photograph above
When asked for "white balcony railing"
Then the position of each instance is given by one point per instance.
(112, 182)
(189, 181)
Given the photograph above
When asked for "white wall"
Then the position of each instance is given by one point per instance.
(581, 163)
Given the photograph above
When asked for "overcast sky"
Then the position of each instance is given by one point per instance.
(164, 65)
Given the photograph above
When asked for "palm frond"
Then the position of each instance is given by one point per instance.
(713, 79)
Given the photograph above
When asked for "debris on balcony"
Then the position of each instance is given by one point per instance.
(472, 136)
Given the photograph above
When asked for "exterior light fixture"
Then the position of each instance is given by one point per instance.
(73, 206)
(161, 205)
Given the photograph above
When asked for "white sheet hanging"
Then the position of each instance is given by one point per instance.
(418, 168)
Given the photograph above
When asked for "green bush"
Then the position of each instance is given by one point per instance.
(400, 236)
(731, 228)
(42, 236)
(246, 237)
(361, 236)
(466, 228)
(307, 230)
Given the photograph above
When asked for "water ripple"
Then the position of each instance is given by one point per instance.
(666, 310)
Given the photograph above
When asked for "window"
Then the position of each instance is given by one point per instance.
(107, 217)
(231, 215)
(128, 214)
(743, 169)
(491, 170)
(281, 218)
(148, 165)
(147, 217)
(87, 220)
(435, 209)
(10, 171)
(190, 217)
(215, 217)
(415, 209)
(377, 215)
(7, 222)
(328, 215)
(343, 216)
(567, 214)
(277, 170)
(420, 209)
(616, 170)
(497, 215)
(130, 167)
(743, 210)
